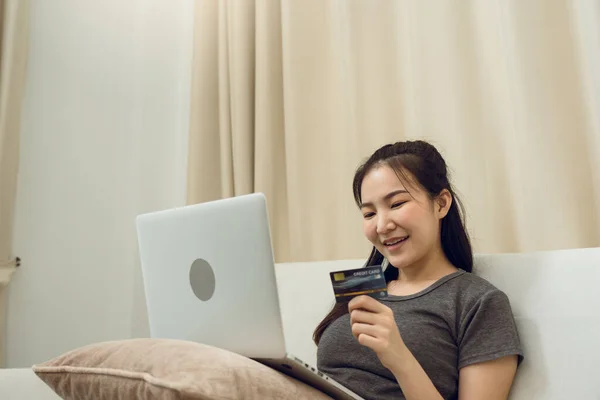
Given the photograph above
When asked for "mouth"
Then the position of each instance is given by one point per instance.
(394, 242)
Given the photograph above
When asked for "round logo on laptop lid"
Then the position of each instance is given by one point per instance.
(202, 279)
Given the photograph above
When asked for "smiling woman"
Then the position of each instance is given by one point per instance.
(442, 333)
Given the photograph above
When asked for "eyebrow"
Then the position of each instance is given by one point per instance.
(386, 197)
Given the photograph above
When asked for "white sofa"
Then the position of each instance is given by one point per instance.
(555, 297)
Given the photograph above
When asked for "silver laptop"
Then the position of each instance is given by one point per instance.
(209, 277)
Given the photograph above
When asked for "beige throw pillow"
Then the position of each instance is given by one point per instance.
(166, 369)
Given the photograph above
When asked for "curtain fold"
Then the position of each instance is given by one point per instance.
(14, 30)
(290, 96)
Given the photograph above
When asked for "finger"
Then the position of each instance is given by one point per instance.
(362, 316)
(369, 341)
(360, 302)
(365, 329)
(366, 303)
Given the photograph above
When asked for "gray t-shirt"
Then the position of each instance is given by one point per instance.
(460, 320)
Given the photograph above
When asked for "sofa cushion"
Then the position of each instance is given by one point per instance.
(165, 369)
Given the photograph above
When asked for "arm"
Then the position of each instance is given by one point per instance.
(488, 380)
(487, 327)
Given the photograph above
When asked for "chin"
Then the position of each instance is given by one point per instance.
(401, 261)
(398, 263)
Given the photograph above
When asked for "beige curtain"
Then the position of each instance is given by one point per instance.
(14, 30)
(289, 96)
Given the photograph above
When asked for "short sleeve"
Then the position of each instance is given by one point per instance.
(488, 330)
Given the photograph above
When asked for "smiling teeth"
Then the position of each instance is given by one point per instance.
(396, 242)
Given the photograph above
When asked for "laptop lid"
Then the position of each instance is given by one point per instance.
(209, 276)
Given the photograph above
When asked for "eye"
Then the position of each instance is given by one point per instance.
(368, 215)
(398, 204)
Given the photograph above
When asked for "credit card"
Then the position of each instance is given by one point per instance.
(350, 283)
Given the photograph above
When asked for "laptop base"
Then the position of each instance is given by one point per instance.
(297, 369)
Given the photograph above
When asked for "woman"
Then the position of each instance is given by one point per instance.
(443, 332)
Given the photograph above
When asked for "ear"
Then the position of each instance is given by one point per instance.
(442, 203)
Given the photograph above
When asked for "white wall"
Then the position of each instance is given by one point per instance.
(103, 138)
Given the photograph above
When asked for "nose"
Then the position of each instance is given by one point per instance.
(384, 224)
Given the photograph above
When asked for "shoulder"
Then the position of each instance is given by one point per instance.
(475, 292)
(472, 285)
(479, 299)
(485, 323)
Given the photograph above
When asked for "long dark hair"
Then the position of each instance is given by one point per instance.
(427, 166)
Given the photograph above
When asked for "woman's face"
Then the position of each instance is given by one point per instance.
(403, 226)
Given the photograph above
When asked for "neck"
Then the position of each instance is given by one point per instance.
(431, 267)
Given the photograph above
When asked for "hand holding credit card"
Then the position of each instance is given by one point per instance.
(368, 281)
